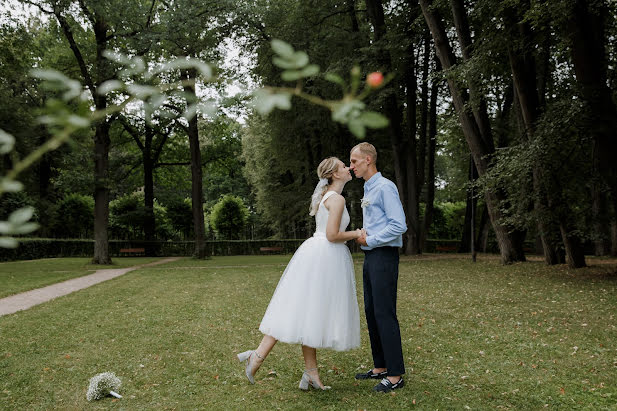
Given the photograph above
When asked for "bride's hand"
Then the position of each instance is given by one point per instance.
(359, 233)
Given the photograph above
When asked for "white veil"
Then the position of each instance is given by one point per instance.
(317, 195)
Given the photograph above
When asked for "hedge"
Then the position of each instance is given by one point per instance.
(34, 248)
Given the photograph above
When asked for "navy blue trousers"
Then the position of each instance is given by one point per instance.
(380, 278)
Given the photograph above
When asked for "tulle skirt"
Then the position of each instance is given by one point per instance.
(315, 301)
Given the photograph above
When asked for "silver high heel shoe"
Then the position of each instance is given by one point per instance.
(246, 356)
(305, 381)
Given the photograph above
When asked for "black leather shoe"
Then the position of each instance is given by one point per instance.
(386, 386)
(369, 374)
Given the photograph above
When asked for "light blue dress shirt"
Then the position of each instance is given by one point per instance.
(382, 213)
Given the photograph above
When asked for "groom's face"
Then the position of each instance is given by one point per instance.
(358, 163)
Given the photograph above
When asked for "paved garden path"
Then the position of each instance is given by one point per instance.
(25, 300)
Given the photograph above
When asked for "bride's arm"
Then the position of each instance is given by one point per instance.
(335, 205)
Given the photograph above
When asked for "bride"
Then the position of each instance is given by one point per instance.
(315, 302)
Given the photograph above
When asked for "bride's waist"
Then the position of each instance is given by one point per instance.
(320, 234)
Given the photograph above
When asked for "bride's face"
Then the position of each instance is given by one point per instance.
(342, 173)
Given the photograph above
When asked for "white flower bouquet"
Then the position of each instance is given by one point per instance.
(103, 384)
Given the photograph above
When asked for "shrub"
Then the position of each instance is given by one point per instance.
(229, 217)
(73, 217)
(180, 216)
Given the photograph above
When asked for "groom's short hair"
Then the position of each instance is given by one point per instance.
(366, 149)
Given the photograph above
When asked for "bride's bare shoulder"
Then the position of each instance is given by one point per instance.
(334, 200)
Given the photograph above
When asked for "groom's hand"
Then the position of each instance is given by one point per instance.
(362, 239)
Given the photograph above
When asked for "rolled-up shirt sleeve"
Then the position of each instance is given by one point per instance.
(395, 215)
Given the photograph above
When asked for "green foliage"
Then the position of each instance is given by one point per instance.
(73, 217)
(127, 216)
(448, 220)
(561, 151)
(349, 110)
(180, 217)
(229, 217)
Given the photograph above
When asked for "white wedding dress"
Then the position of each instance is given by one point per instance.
(315, 301)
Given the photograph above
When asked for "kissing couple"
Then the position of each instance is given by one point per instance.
(315, 304)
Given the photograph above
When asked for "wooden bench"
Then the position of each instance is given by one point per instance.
(448, 248)
(270, 249)
(133, 251)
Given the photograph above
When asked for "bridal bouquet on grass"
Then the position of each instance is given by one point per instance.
(102, 385)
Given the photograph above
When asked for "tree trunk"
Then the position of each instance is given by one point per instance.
(598, 210)
(403, 148)
(432, 147)
(481, 147)
(149, 220)
(523, 66)
(101, 151)
(101, 131)
(575, 256)
(44, 174)
(411, 192)
(483, 230)
(101, 193)
(472, 201)
(614, 238)
(196, 174)
(586, 29)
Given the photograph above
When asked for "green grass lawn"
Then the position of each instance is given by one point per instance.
(483, 336)
(20, 276)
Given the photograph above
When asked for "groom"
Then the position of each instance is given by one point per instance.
(384, 222)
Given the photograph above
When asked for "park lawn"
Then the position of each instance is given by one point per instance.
(20, 276)
(481, 335)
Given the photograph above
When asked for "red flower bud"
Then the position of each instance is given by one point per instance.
(374, 79)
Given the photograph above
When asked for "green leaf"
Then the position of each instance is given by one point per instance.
(300, 59)
(140, 91)
(264, 101)
(10, 186)
(78, 121)
(291, 75)
(25, 228)
(373, 119)
(356, 126)
(21, 215)
(109, 86)
(7, 141)
(8, 242)
(310, 70)
(190, 111)
(344, 111)
(5, 227)
(283, 63)
(207, 109)
(117, 57)
(335, 78)
(54, 80)
(282, 49)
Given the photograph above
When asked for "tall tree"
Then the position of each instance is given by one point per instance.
(408, 152)
(192, 29)
(475, 124)
(528, 89)
(150, 138)
(106, 24)
(585, 29)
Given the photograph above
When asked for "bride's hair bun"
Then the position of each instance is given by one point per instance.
(325, 171)
(327, 168)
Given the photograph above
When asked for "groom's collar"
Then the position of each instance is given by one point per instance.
(371, 181)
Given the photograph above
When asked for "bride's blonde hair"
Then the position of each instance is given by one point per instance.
(325, 172)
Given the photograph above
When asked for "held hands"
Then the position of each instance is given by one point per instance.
(362, 237)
